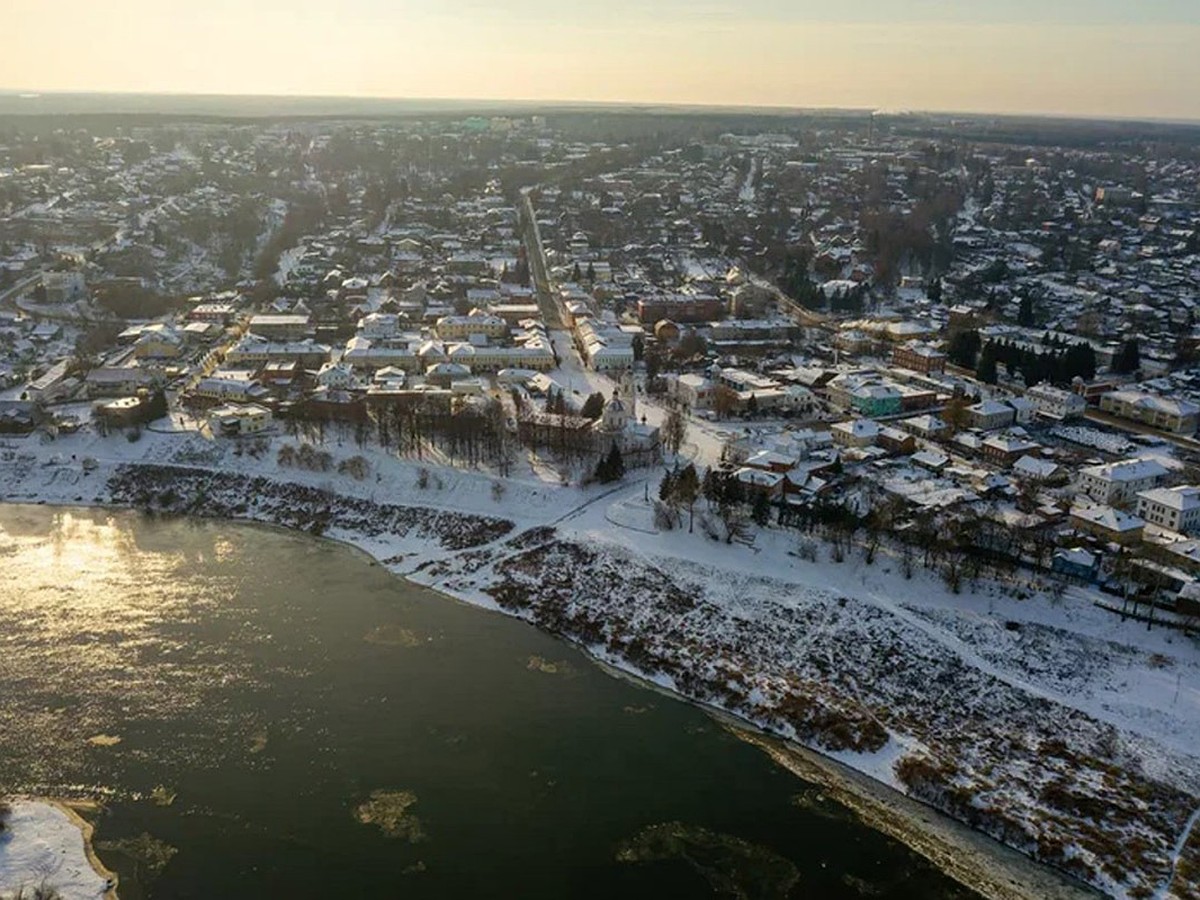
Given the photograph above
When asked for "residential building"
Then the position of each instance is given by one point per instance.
(1056, 403)
(856, 433)
(1176, 509)
(1175, 416)
(919, 357)
(1120, 482)
(236, 421)
(988, 415)
(1108, 524)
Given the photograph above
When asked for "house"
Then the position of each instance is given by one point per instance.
(1056, 403)
(919, 357)
(461, 328)
(337, 376)
(236, 421)
(217, 313)
(1004, 449)
(158, 343)
(926, 426)
(64, 286)
(896, 441)
(771, 461)
(855, 433)
(52, 385)
(1023, 408)
(694, 391)
(1175, 416)
(1034, 469)
(1176, 509)
(117, 381)
(1107, 524)
(756, 481)
(1120, 482)
(1076, 563)
(988, 415)
(931, 460)
(280, 327)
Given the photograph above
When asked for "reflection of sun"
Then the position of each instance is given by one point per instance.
(83, 572)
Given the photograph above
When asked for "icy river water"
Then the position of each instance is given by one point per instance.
(266, 715)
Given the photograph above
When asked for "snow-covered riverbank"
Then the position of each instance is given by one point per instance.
(1059, 730)
(47, 845)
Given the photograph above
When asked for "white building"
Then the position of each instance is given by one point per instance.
(1056, 403)
(1176, 509)
(1120, 482)
(235, 421)
(337, 376)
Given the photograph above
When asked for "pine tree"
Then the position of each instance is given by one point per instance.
(1025, 313)
(761, 510)
(986, 371)
(666, 488)
(1128, 359)
(593, 407)
(687, 490)
(612, 467)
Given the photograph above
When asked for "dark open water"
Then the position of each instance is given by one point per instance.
(265, 688)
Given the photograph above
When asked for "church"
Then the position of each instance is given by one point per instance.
(638, 442)
(574, 436)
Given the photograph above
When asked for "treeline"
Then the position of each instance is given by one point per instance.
(1059, 363)
(469, 436)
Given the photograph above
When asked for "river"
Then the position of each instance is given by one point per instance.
(267, 715)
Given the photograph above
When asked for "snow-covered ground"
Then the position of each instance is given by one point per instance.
(1034, 713)
(44, 846)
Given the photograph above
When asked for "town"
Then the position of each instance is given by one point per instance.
(990, 344)
(963, 348)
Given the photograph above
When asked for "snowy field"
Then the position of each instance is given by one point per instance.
(42, 846)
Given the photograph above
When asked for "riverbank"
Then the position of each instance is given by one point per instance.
(47, 844)
(879, 686)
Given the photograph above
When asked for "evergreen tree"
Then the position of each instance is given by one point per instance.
(986, 370)
(710, 487)
(612, 467)
(666, 488)
(964, 348)
(761, 509)
(576, 274)
(1025, 313)
(1128, 359)
(591, 273)
(752, 405)
(593, 407)
(687, 490)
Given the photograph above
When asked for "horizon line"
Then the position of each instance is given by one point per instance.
(30, 94)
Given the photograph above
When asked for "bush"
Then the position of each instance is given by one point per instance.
(498, 490)
(423, 479)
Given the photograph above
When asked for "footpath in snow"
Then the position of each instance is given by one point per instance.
(44, 845)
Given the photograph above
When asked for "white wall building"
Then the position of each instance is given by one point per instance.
(1120, 482)
(1056, 403)
(1176, 509)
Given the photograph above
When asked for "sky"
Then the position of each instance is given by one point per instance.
(1128, 58)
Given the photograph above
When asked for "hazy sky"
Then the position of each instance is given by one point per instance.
(1097, 57)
